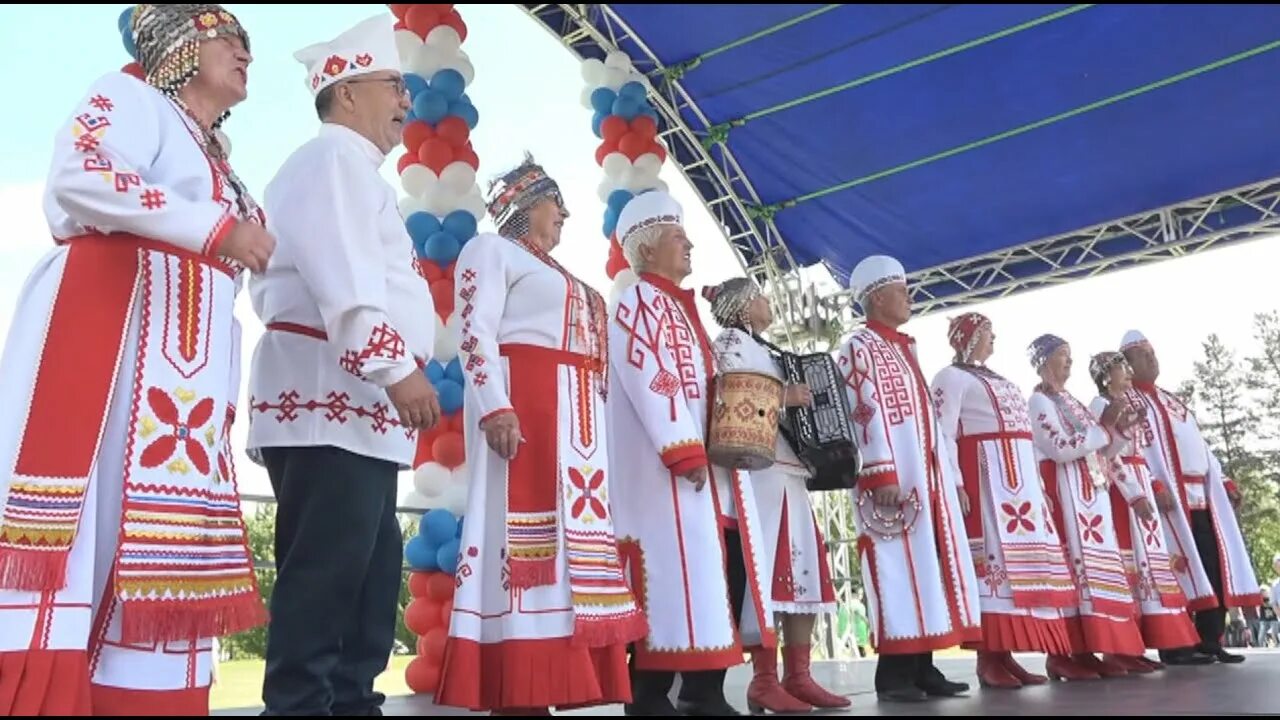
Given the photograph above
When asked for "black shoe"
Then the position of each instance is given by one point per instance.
(1186, 656)
(1221, 655)
(660, 708)
(902, 695)
(934, 687)
(718, 707)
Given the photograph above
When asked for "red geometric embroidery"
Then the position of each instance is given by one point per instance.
(152, 199)
(480, 379)
(100, 102)
(126, 180)
(474, 361)
(93, 122)
(97, 163)
(896, 398)
(468, 276)
(87, 143)
(336, 408)
(384, 342)
(665, 384)
(469, 345)
(1019, 517)
(364, 59)
(587, 500)
(334, 65)
(1089, 528)
(163, 448)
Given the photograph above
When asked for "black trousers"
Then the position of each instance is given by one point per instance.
(653, 686)
(1210, 624)
(900, 671)
(338, 560)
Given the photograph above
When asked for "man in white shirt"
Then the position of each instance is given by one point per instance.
(336, 394)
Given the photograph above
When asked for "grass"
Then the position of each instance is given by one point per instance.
(240, 683)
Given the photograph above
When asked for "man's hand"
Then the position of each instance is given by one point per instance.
(1144, 510)
(697, 476)
(502, 431)
(797, 396)
(888, 496)
(1128, 418)
(250, 245)
(416, 402)
(1164, 501)
(964, 501)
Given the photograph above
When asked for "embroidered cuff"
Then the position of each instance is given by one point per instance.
(683, 456)
(494, 414)
(218, 234)
(877, 476)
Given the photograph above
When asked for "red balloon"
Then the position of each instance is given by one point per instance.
(422, 615)
(454, 130)
(431, 271)
(613, 128)
(446, 613)
(468, 156)
(442, 294)
(454, 20)
(455, 423)
(416, 133)
(421, 19)
(660, 151)
(606, 147)
(421, 676)
(399, 9)
(435, 642)
(633, 146)
(422, 647)
(615, 266)
(405, 161)
(422, 453)
(399, 26)
(644, 126)
(440, 587)
(436, 154)
(448, 450)
(135, 70)
(419, 584)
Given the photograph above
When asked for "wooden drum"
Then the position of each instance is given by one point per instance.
(744, 421)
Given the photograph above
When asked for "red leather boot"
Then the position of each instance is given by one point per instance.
(764, 692)
(1022, 674)
(993, 674)
(1064, 667)
(800, 684)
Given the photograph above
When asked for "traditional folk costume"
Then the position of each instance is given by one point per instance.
(697, 560)
(801, 582)
(1074, 452)
(122, 550)
(1161, 608)
(1017, 553)
(542, 614)
(346, 316)
(921, 588)
(1217, 573)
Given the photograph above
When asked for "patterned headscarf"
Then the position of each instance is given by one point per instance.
(1041, 348)
(168, 40)
(1100, 367)
(515, 192)
(730, 300)
(963, 334)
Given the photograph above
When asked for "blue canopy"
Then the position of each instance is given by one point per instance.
(941, 133)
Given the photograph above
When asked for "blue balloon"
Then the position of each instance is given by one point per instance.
(127, 38)
(602, 100)
(126, 19)
(450, 83)
(453, 371)
(450, 394)
(421, 226)
(652, 114)
(430, 105)
(439, 526)
(447, 556)
(466, 111)
(596, 121)
(409, 117)
(618, 199)
(460, 224)
(422, 555)
(459, 526)
(627, 107)
(443, 248)
(435, 371)
(415, 84)
(466, 99)
(610, 222)
(633, 90)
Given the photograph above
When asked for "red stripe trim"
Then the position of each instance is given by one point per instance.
(296, 329)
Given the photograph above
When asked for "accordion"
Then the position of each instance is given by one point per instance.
(821, 434)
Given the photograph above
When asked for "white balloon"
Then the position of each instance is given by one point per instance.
(431, 478)
(454, 499)
(605, 189)
(458, 177)
(585, 97)
(614, 78)
(461, 475)
(635, 76)
(406, 42)
(442, 200)
(618, 60)
(445, 38)
(416, 501)
(615, 165)
(592, 72)
(635, 182)
(662, 185)
(410, 204)
(460, 63)
(428, 59)
(447, 342)
(417, 180)
(648, 165)
(474, 203)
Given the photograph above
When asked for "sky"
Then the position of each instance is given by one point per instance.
(527, 89)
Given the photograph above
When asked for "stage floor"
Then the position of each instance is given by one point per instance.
(1252, 687)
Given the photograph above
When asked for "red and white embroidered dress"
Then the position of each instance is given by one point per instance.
(346, 312)
(122, 550)
(922, 592)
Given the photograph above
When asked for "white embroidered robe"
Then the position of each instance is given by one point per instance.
(345, 310)
(1179, 457)
(1017, 552)
(801, 581)
(669, 533)
(156, 356)
(922, 591)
